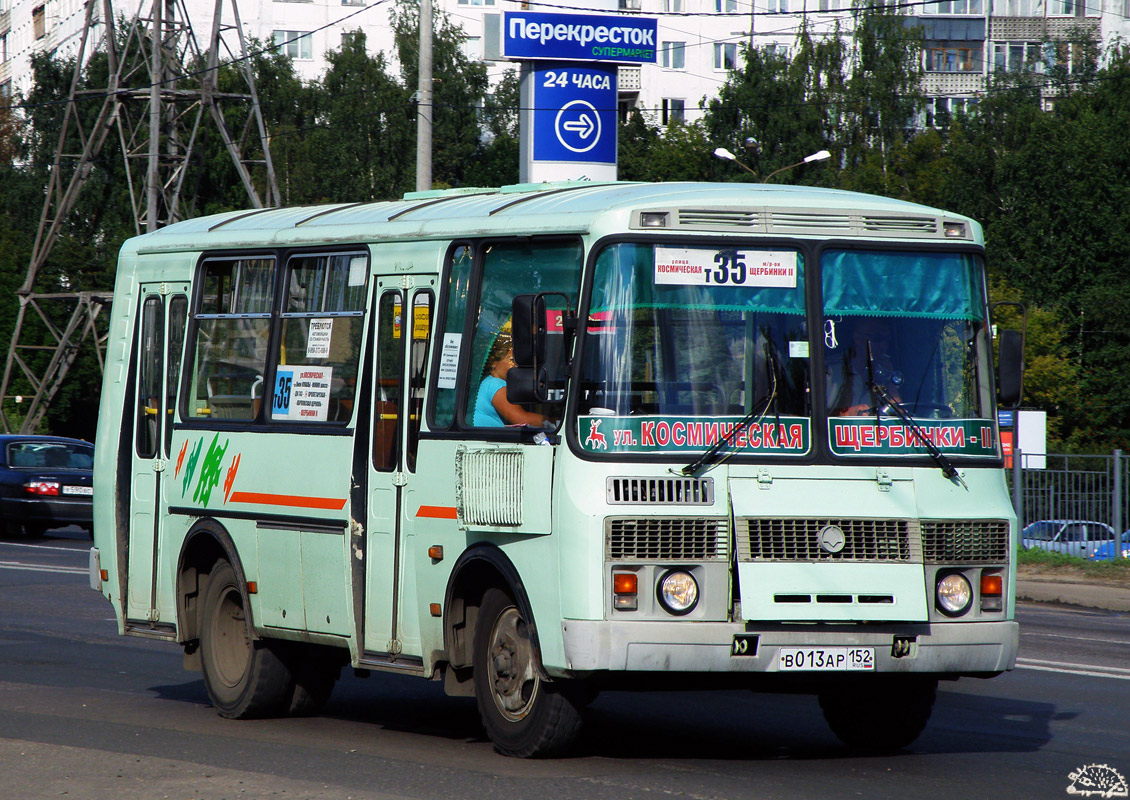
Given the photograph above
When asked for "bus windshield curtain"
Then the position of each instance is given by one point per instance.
(887, 284)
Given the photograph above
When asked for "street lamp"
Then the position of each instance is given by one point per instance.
(819, 155)
(726, 155)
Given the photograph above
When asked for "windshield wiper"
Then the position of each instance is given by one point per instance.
(710, 455)
(946, 466)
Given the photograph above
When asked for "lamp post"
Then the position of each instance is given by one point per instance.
(820, 155)
(726, 155)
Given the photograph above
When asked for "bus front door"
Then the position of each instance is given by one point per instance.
(159, 341)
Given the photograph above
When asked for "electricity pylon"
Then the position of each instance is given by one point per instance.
(161, 90)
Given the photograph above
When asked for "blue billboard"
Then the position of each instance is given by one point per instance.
(528, 35)
(575, 113)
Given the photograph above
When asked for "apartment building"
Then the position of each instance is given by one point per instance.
(699, 40)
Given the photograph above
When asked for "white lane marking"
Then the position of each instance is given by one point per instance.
(1066, 668)
(42, 568)
(1074, 638)
(56, 548)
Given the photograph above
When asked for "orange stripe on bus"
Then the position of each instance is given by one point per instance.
(437, 512)
(291, 500)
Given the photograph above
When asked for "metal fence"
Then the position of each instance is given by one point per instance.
(1072, 487)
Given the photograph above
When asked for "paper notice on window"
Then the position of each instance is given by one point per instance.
(449, 360)
(302, 394)
(318, 338)
(358, 267)
(697, 266)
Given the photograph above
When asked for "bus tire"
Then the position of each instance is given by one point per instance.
(315, 674)
(880, 715)
(524, 715)
(244, 678)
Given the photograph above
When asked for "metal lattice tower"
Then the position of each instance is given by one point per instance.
(161, 90)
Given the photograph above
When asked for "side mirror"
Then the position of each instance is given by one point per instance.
(527, 385)
(531, 381)
(1010, 368)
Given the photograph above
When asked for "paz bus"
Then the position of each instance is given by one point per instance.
(758, 448)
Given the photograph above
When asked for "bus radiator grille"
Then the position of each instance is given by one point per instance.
(864, 540)
(973, 541)
(667, 539)
(488, 487)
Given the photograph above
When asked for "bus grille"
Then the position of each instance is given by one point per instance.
(881, 540)
(965, 541)
(667, 539)
(489, 487)
(660, 491)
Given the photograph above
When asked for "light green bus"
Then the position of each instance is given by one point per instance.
(539, 441)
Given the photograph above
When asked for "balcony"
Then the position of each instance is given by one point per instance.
(628, 80)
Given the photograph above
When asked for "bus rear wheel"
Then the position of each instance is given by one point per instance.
(880, 715)
(244, 678)
(524, 715)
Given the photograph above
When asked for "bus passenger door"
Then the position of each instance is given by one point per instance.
(386, 470)
(158, 345)
(400, 353)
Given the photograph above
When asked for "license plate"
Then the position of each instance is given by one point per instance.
(86, 490)
(826, 659)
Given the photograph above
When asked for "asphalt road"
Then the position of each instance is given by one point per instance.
(87, 714)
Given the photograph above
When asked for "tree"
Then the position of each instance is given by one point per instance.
(497, 161)
(783, 105)
(459, 89)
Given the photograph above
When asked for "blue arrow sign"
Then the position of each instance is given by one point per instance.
(575, 113)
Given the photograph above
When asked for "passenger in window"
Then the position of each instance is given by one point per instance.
(492, 409)
(849, 388)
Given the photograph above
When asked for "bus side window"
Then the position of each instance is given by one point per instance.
(389, 372)
(232, 322)
(178, 320)
(149, 393)
(418, 362)
(316, 373)
(458, 288)
(512, 268)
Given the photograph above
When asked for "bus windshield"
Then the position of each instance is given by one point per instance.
(911, 324)
(684, 341)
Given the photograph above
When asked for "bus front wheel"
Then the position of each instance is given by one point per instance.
(880, 715)
(524, 715)
(244, 678)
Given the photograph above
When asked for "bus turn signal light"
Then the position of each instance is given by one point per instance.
(992, 591)
(624, 591)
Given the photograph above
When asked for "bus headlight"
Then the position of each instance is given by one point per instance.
(678, 592)
(954, 594)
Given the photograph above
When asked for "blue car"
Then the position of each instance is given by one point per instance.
(1103, 551)
(45, 482)
(1073, 537)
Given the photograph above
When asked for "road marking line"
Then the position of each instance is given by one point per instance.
(56, 548)
(1074, 638)
(1090, 670)
(40, 568)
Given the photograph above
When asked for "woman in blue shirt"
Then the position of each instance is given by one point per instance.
(492, 409)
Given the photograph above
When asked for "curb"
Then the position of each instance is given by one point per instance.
(1087, 595)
